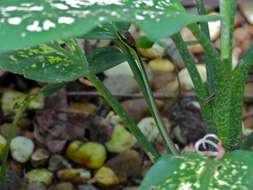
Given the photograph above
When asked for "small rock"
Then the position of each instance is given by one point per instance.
(138, 108)
(214, 28)
(39, 157)
(121, 69)
(40, 175)
(121, 140)
(161, 80)
(21, 149)
(171, 86)
(11, 97)
(90, 154)
(2, 145)
(126, 164)
(58, 162)
(149, 128)
(12, 181)
(75, 176)
(35, 186)
(185, 78)
(106, 176)
(121, 84)
(188, 36)
(113, 118)
(156, 51)
(161, 65)
(86, 187)
(246, 8)
(64, 186)
(85, 107)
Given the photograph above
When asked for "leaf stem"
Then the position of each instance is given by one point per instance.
(20, 109)
(202, 11)
(142, 79)
(227, 12)
(113, 102)
(116, 106)
(200, 88)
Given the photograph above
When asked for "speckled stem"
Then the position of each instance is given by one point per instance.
(200, 88)
(223, 80)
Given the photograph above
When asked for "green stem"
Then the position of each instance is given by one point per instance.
(202, 11)
(239, 78)
(200, 88)
(141, 76)
(142, 140)
(227, 12)
(212, 56)
(113, 102)
(223, 79)
(20, 109)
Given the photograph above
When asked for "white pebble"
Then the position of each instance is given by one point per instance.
(21, 149)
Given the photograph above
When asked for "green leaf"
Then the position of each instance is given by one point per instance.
(52, 88)
(105, 32)
(28, 22)
(105, 58)
(144, 42)
(42, 63)
(51, 64)
(194, 172)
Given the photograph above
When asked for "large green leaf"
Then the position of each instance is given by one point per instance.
(193, 172)
(42, 63)
(49, 64)
(105, 58)
(30, 22)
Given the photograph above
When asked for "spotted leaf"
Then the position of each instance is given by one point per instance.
(26, 23)
(193, 172)
(47, 64)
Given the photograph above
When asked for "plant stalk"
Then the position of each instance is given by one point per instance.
(223, 80)
(20, 109)
(137, 67)
(200, 88)
(113, 102)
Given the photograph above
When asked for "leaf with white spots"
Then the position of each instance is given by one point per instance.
(47, 64)
(28, 22)
(193, 172)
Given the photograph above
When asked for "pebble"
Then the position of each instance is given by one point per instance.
(90, 154)
(40, 175)
(214, 28)
(247, 9)
(121, 69)
(75, 176)
(156, 51)
(121, 140)
(39, 157)
(58, 162)
(21, 149)
(11, 97)
(86, 187)
(106, 176)
(35, 186)
(185, 78)
(64, 186)
(149, 128)
(161, 65)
